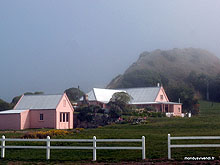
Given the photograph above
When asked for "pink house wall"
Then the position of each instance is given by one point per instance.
(48, 119)
(64, 106)
(25, 119)
(177, 109)
(162, 92)
(157, 106)
(10, 121)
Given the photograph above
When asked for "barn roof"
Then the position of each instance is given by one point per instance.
(139, 95)
(38, 102)
(12, 111)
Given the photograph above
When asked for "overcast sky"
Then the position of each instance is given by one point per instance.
(52, 45)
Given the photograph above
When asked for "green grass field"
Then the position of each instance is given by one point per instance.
(155, 131)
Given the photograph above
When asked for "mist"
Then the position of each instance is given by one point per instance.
(54, 45)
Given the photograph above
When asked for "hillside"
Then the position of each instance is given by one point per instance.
(168, 67)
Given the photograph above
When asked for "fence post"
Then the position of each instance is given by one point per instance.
(94, 148)
(143, 148)
(3, 147)
(48, 147)
(169, 149)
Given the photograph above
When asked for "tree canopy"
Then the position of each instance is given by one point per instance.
(74, 94)
(121, 97)
(4, 105)
(119, 104)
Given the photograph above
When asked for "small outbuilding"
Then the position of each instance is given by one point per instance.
(39, 111)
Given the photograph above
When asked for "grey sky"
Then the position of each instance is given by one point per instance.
(51, 45)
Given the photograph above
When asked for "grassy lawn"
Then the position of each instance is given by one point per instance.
(155, 131)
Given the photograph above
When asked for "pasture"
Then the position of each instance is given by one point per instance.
(155, 131)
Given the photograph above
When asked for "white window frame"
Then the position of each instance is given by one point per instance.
(64, 117)
(41, 117)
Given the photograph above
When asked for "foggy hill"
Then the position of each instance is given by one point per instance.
(167, 67)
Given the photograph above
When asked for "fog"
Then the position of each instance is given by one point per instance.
(52, 45)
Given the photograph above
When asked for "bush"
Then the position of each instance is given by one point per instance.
(79, 130)
(87, 113)
(101, 110)
(156, 114)
(115, 112)
(150, 108)
(44, 134)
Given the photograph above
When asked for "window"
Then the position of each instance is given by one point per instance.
(161, 97)
(179, 109)
(41, 117)
(64, 114)
(67, 117)
(64, 117)
(64, 103)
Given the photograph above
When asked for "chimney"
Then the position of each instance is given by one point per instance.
(179, 100)
(158, 84)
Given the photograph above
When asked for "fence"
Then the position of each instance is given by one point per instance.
(190, 145)
(48, 146)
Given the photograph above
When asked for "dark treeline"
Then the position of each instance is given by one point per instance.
(207, 86)
(4, 105)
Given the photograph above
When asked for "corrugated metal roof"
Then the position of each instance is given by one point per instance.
(146, 94)
(172, 103)
(91, 95)
(139, 95)
(39, 102)
(12, 111)
(104, 95)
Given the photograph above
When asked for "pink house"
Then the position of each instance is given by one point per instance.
(39, 111)
(141, 97)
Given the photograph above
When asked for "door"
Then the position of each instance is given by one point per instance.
(64, 120)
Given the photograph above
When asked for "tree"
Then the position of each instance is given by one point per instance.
(186, 95)
(85, 114)
(74, 94)
(121, 97)
(15, 100)
(4, 105)
(115, 111)
(119, 104)
(38, 93)
(214, 89)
